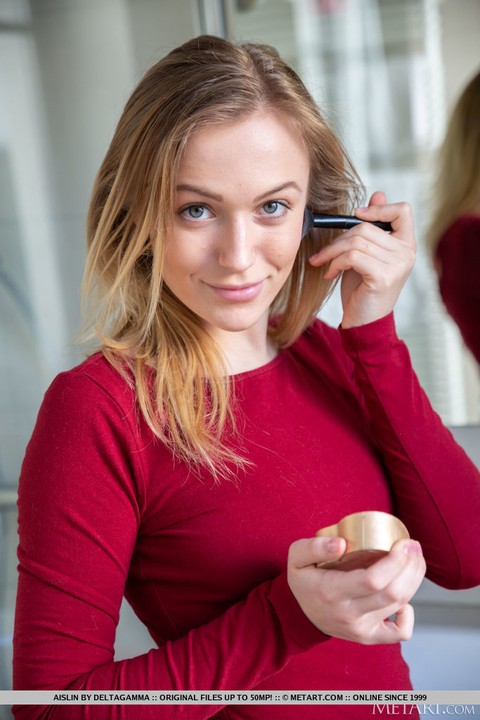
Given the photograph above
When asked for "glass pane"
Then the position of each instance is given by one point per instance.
(377, 69)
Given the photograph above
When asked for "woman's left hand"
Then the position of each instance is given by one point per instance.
(375, 264)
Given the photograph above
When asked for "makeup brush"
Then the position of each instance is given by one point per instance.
(337, 222)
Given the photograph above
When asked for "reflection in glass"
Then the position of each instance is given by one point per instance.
(377, 68)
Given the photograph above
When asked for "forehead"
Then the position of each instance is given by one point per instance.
(265, 143)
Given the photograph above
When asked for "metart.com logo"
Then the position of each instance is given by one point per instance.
(426, 709)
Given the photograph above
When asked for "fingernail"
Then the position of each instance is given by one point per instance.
(413, 547)
(333, 545)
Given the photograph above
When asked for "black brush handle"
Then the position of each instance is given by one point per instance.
(337, 222)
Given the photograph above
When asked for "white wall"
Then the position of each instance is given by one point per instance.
(461, 44)
(65, 73)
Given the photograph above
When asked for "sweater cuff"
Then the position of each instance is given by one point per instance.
(378, 335)
(295, 624)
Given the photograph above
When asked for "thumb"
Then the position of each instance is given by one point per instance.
(311, 551)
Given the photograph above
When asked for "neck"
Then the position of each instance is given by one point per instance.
(244, 351)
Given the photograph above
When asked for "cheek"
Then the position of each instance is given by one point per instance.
(186, 256)
(284, 254)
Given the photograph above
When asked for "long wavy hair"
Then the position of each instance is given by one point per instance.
(456, 190)
(171, 361)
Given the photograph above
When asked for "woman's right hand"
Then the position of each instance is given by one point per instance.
(368, 606)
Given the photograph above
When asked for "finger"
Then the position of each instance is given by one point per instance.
(311, 551)
(400, 627)
(373, 270)
(380, 574)
(378, 198)
(404, 554)
(392, 581)
(398, 214)
(365, 237)
(392, 630)
(389, 613)
(368, 259)
(406, 584)
(388, 602)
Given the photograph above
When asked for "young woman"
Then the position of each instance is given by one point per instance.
(189, 462)
(454, 233)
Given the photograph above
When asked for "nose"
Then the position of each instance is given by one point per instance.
(237, 246)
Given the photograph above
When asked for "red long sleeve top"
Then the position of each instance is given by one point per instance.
(335, 424)
(458, 253)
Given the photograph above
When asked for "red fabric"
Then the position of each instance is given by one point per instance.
(458, 253)
(103, 509)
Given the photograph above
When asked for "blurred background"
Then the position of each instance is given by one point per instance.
(386, 72)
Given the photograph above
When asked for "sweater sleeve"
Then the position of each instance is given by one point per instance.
(458, 253)
(80, 507)
(436, 487)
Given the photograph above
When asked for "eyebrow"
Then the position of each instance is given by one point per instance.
(198, 191)
(214, 196)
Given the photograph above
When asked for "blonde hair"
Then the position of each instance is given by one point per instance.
(456, 190)
(144, 330)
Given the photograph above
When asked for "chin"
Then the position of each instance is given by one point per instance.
(238, 324)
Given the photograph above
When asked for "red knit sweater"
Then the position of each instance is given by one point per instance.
(105, 510)
(458, 253)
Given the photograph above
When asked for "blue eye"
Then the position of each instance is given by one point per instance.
(195, 212)
(274, 208)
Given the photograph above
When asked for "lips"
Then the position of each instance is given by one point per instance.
(237, 293)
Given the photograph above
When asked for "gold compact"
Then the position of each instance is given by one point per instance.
(369, 535)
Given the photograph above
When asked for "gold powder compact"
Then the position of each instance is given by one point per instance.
(369, 534)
